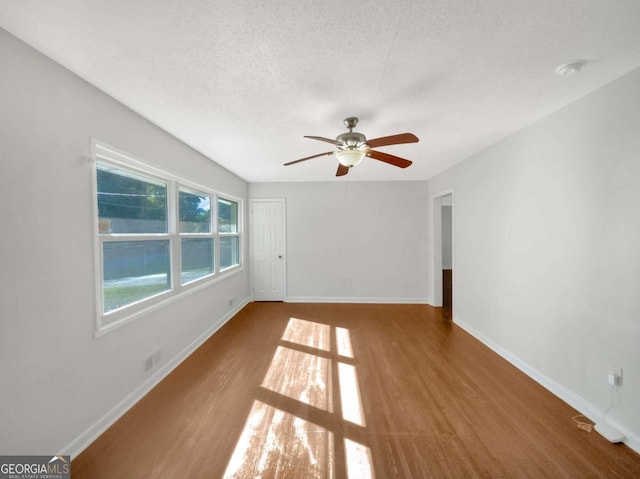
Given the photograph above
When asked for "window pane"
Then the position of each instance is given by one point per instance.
(227, 216)
(197, 258)
(195, 213)
(129, 203)
(134, 270)
(229, 251)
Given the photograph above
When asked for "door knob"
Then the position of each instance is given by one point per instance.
(280, 256)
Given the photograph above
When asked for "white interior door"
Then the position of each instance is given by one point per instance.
(268, 250)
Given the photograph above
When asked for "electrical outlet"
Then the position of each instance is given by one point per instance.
(148, 364)
(615, 377)
(152, 361)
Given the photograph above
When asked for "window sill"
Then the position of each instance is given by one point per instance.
(163, 301)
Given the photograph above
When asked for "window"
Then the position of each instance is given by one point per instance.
(155, 236)
(132, 219)
(228, 233)
(196, 236)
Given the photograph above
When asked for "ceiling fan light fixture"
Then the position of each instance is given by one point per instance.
(350, 157)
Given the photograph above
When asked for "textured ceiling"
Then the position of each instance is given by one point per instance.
(242, 81)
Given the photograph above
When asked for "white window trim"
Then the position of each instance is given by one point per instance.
(237, 234)
(105, 322)
(211, 234)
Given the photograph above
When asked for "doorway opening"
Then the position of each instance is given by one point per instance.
(442, 278)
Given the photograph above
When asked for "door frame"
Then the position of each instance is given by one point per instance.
(252, 202)
(436, 256)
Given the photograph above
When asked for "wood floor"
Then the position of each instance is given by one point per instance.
(345, 390)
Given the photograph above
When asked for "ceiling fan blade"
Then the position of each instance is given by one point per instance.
(387, 158)
(393, 140)
(308, 158)
(342, 170)
(328, 140)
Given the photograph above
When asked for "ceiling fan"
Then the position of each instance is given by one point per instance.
(352, 147)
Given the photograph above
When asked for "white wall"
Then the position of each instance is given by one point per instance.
(56, 380)
(547, 249)
(354, 241)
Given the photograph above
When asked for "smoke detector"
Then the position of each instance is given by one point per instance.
(569, 69)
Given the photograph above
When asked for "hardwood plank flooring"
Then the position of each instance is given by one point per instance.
(345, 390)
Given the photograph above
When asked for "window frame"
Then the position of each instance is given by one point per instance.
(213, 214)
(102, 153)
(231, 234)
(126, 237)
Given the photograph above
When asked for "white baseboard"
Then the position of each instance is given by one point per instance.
(567, 395)
(342, 299)
(80, 443)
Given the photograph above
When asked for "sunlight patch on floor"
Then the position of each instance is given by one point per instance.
(350, 394)
(359, 463)
(343, 343)
(278, 444)
(301, 376)
(308, 333)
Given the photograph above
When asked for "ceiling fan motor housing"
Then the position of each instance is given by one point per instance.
(351, 140)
